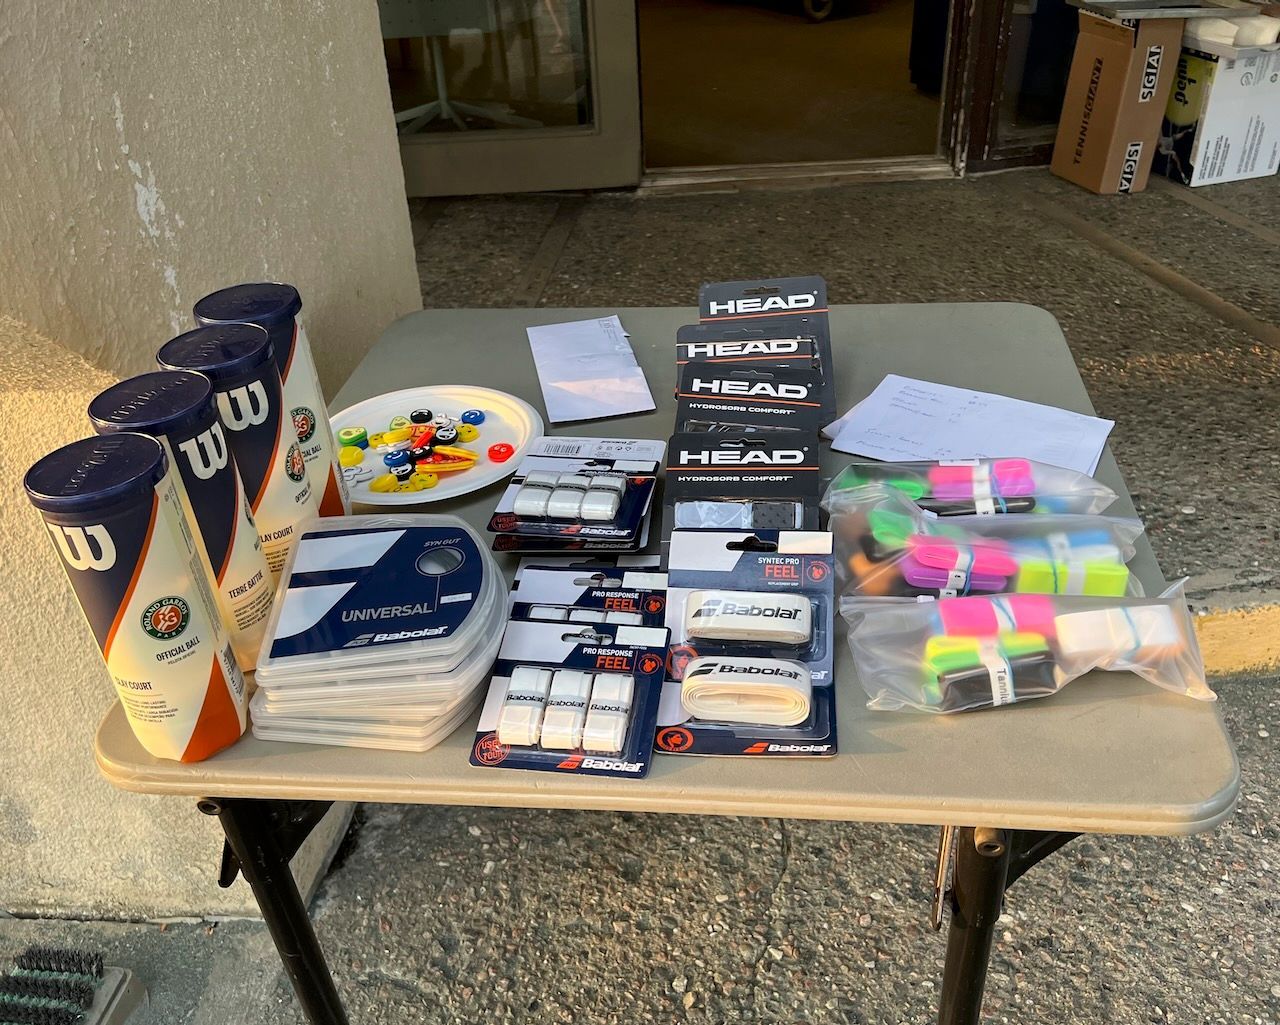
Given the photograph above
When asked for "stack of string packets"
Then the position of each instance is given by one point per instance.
(994, 582)
(384, 630)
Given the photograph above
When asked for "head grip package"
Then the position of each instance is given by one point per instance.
(982, 487)
(962, 654)
(886, 547)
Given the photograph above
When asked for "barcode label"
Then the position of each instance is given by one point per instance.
(563, 448)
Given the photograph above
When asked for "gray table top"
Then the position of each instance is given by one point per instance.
(1108, 754)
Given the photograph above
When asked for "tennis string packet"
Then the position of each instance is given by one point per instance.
(963, 654)
(982, 487)
(887, 547)
(383, 633)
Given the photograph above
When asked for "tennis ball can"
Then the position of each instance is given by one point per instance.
(277, 309)
(116, 522)
(238, 360)
(177, 408)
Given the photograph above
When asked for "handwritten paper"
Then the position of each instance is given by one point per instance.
(587, 370)
(906, 419)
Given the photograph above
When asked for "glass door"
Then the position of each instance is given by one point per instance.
(513, 95)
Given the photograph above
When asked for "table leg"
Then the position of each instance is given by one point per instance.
(251, 828)
(987, 862)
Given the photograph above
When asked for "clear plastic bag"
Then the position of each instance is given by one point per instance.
(887, 547)
(981, 487)
(962, 654)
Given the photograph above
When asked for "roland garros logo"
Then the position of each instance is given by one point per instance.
(304, 422)
(167, 617)
(294, 465)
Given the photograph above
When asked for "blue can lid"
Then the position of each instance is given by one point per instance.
(227, 354)
(95, 474)
(265, 302)
(168, 402)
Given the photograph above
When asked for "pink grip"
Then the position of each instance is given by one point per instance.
(985, 617)
(1010, 478)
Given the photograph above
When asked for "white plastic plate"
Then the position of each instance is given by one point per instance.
(506, 419)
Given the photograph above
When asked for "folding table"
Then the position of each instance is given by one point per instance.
(1110, 754)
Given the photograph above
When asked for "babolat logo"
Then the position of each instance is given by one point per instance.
(614, 764)
(409, 635)
(722, 607)
(800, 748)
(763, 304)
(1129, 169)
(1150, 73)
(769, 347)
(738, 669)
(742, 457)
(751, 389)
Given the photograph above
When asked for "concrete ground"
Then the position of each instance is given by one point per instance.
(1169, 301)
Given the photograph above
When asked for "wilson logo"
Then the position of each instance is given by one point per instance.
(748, 457)
(1150, 73)
(1129, 169)
(764, 304)
(749, 389)
(84, 547)
(243, 407)
(207, 452)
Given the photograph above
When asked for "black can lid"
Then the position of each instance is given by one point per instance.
(168, 402)
(227, 354)
(264, 302)
(96, 474)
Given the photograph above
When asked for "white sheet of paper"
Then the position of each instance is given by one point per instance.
(587, 370)
(906, 419)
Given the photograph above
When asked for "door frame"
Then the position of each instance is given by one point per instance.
(603, 154)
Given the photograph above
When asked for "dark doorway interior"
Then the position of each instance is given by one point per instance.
(757, 82)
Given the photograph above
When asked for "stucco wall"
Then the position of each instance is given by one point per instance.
(153, 151)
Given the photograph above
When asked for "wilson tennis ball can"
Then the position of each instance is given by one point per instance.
(238, 360)
(177, 408)
(116, 522)
(276, 308)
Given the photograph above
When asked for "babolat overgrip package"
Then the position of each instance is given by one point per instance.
(573, 698)
(976, 487)
(597, 595)
(782, 308)
(579, 494)
(728, 397)
(963, 654)
(886, 546)
(731, 481)
(749, 666)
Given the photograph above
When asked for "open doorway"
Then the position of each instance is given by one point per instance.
(742, 82)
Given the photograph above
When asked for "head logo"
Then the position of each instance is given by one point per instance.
(304, 422)
(243, 407)
(1129, 169)
(490, 752)
(294, 465)
(165, 618)
(207, 452)
(749, 389)
(84, 547)
(650, 664)
(674, 738)
(763, 347)
(742, 457)
(766, 304)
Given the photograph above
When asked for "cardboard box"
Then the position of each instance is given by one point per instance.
(1222, 122)
(1120, 77)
